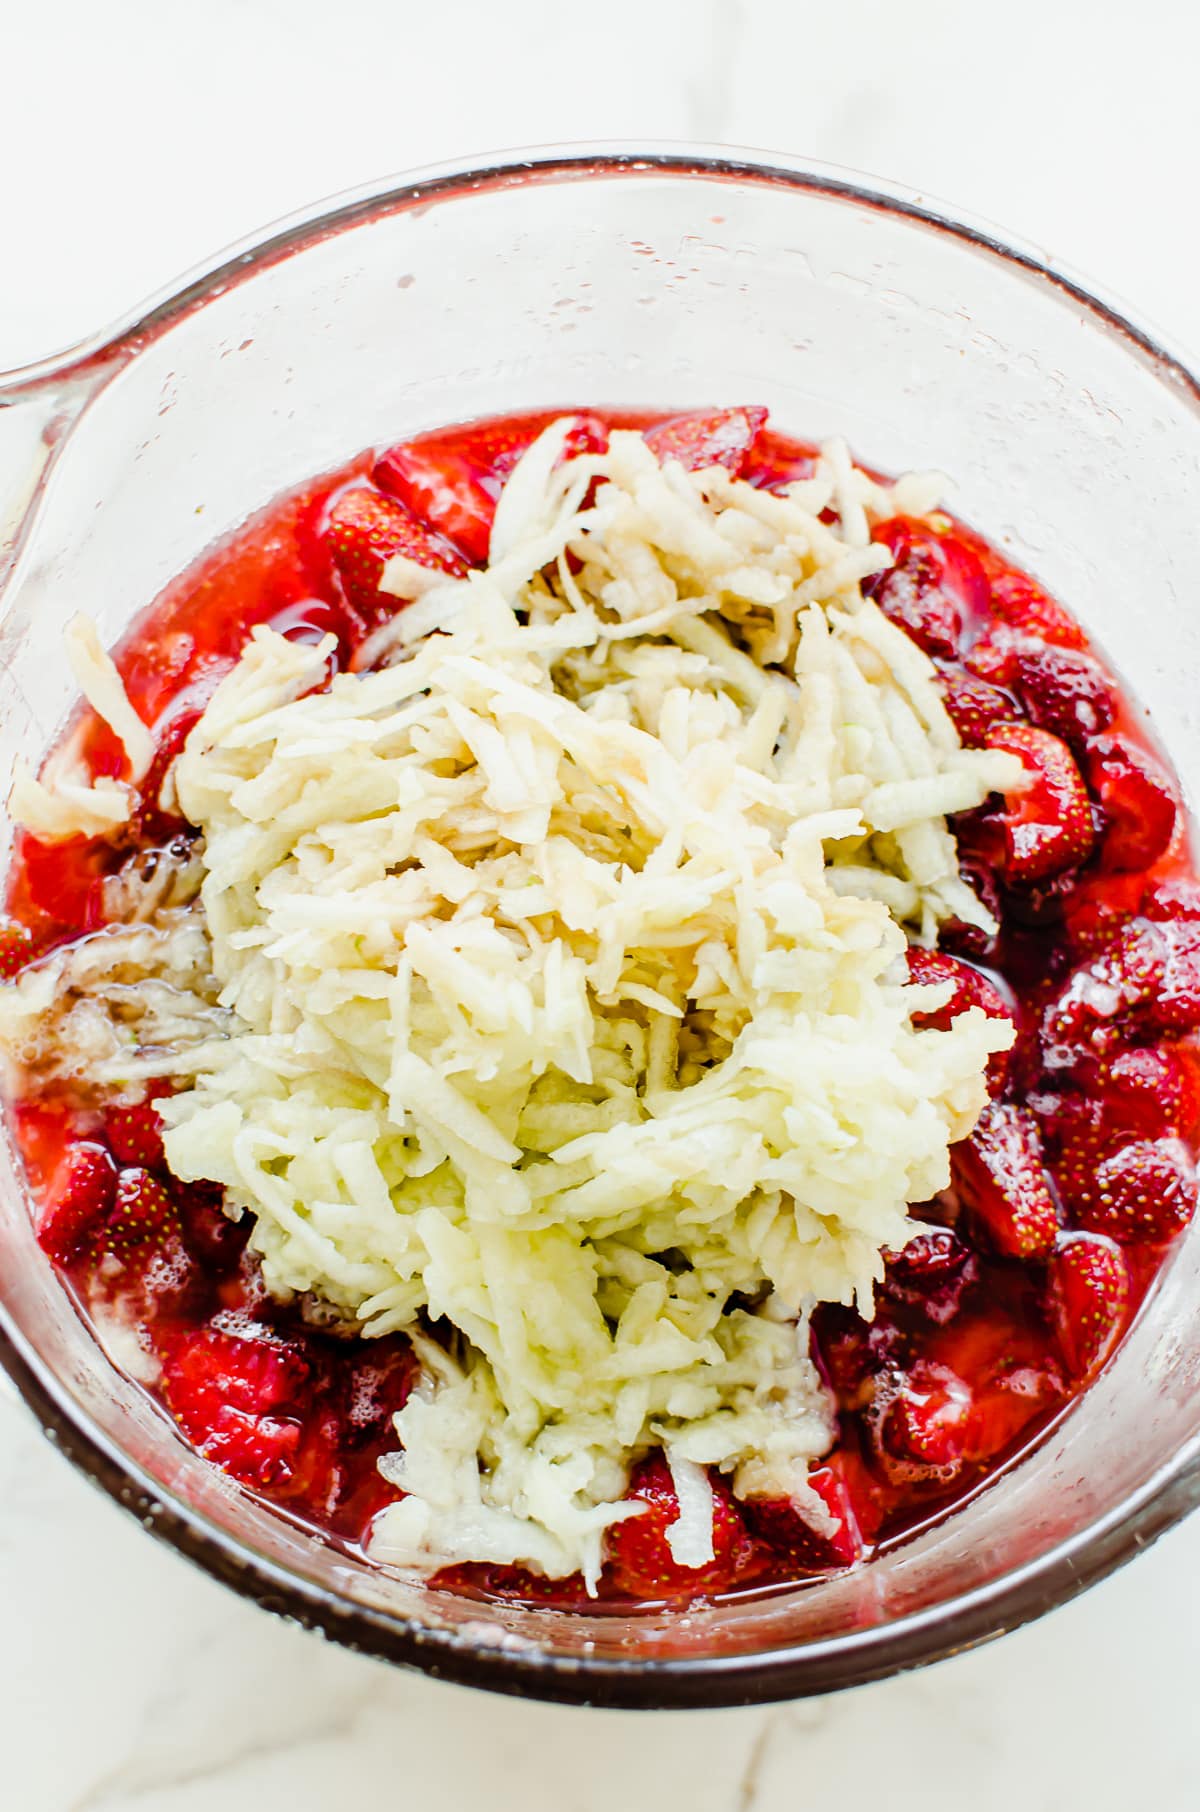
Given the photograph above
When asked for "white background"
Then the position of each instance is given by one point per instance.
(136, 137)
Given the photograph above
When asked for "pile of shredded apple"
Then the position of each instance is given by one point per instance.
(547, 986)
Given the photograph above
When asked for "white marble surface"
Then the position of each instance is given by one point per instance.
(137, 137)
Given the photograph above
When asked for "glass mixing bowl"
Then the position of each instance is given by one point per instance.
(667, 278)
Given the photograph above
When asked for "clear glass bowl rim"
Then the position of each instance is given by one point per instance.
(854, 1656)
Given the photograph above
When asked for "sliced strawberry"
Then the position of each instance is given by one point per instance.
(216, 1240)
(1088, 1300)
(850, 1351)
(452, 481)
(1139, 803)
(261, 1451)
(1147, 981)
(135, 1133)
(1048, 827)
(1003, 1180)
(1063, 690)
(1145, 1193)
(152, 822)
(77, 1199)
(931, 1274)
(971, 989)
(1012, 1374)
(640, 1559)
(64, 882)
(980, 876)
(379, 1385)
(365, 530)
(722, 438)
(142, 1211)
(1096, 909)
(927, 1420)
(1178, 898)
(1018, 601)
(785, 1527)
(16, 949)
(993, 656)
(934, 588)
(974, 706)
(207, 1368)
(1142, 1092)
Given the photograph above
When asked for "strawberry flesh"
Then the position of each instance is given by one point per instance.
(971, 989)
(452, 482)
(1021, 603)
(931, 1274)
(1048, 827)
(1143, 1194)
(77, 1200)
(135, 1133)
(926, 1420)
(934, 587)
(16, 949)
(787, 1529)
(225, 1391)
(640, 1559)
(365, 530)
(1088, 1294)
(723, 438)
(142, 1210)
(1063, 690)
(1147, 981)
(974, 706)
(1002, 1178)
(1138, 802)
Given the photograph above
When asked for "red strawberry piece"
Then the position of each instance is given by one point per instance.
(452, 481)
(1096, 909)
(379, 1386)
(1139, 803)
(1048, 827)
(1178, 898)
(1011, 1373)
(927, 1419)
(1003, 1180)
(1018, 601)
(931, 1274)
(64, 882)
(993, 656)
(792, 1533)
(151, 821)
(261, 1451)
(1145, 1193)
(1147, 981)
(723, 438)
(971, 989)
(1142, 1092)
(216, 1240)
(77, 1199)
(1088, 1300)
(224, 1391)
(135, 1133)
(142, 1210)
(774, 461)
(639, 1556)
(980, 876)
(850, 1351)
(934, 587)
(974, 706)
(1063, 690)
(365, 530)
(16, 949)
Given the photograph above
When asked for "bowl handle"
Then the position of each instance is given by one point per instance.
(35, 419)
